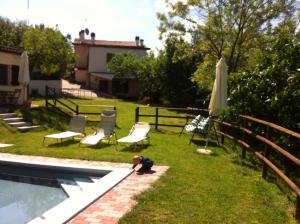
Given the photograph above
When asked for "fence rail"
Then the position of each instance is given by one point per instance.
(188, 115)
(241, 138)
(226, 129)
(53, 98)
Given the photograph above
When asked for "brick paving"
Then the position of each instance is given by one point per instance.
(114, 204)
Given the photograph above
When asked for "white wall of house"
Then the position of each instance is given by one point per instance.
(40, 85)
(97, 56)
(9, 59)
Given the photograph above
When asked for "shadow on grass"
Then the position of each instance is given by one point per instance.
(245, 163)
(167, 132)
(99, 146)
(59, 144)
(132, 148)
(203, 143)
(45, 117)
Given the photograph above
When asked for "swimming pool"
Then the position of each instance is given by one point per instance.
(32, 192)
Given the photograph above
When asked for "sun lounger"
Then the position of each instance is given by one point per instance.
(105, 130)
(2, 145)
(138, 133)
(76, 128)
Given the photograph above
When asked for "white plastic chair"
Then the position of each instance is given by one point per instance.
(139, 132)
(105, 130)
(76, 128)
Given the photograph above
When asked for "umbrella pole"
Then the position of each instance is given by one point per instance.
(214, 127)
(207, 135)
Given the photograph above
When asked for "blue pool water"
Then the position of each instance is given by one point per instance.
(22, 198)
(28, 192)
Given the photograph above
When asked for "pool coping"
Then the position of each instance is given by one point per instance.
(111, 205)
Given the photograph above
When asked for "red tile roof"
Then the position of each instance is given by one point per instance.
(108, 43)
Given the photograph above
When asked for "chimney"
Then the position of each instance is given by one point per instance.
(93, 35)
(81, 35)
(142, 42)
(137, 41)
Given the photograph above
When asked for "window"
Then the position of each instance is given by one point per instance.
(14, 75)
(3, 74)
(120, 86)
(109, 56)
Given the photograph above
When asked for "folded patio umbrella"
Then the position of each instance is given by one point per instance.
(24, 77)
(218, 100)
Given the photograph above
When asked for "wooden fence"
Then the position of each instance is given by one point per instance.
(188, 114)
(53, 98)
(241, 134)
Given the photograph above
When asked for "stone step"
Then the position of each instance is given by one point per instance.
(70, 186)
(27, 128)
(13, 119)
(83, 182)
(19, 124)
(8, 115)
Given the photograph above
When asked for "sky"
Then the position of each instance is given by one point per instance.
(110, 19)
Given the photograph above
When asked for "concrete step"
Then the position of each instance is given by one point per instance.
(27, 128)
(13, 119)
(83, 182)
(70, 186)
(20, 124)
(7, 115)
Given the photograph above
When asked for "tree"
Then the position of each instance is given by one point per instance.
(51, 55)
(177, 63)
(271, 90)
(144, 69)
(123, 65)
(11, 34)
(165, 78)
(224, 28)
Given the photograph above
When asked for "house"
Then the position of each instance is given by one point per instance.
(92, 57)
(11, 92)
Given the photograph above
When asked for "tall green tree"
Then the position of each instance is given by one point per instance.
(144, 69)
(11, 33)
(51, 55)
(229, 28)
(271, 90)
(177, 63)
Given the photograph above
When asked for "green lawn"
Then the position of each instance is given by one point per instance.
(196, 188)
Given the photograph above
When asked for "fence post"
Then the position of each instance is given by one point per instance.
(137, 113)
(244, 139)
(267, 151)
(77, 109)
(156, 118)
(46, 95)
(223, 131)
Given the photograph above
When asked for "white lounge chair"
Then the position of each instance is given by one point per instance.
(3, 145)
(76, 128)
(105, 130)
(138, 133)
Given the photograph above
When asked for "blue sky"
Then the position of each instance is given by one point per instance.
(109, 19)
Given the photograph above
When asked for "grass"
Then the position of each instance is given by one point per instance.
(196, 188)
